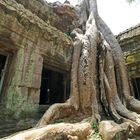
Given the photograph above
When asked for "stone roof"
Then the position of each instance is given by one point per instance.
(129, 33)
(27, 18)
(57, 14)
(20, 28)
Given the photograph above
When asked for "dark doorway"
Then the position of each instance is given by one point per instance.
(136, 86)
(2, 72)
(52, 87)
(2, 64)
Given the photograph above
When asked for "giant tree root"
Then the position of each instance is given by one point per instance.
(109, 130)
(59, 110)
(61, 131)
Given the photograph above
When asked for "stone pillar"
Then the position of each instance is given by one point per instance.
(25, 79)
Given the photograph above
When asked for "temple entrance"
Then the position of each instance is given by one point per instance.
(2, 64)
(2, 71)
(52, 87)
(136, 86)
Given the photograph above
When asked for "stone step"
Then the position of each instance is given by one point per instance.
(10, 125)
(7, 132)
(7, 129)
(6, 126)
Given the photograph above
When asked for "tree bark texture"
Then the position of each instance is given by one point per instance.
(61, 131)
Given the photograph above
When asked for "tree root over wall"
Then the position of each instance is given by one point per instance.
(98, 78)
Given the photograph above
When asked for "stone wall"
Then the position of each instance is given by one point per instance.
(130, 35)
(29, 42)
(58, 15)
(130, 44)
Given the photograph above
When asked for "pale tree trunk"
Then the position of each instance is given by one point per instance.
(83, 96)
(98, 74)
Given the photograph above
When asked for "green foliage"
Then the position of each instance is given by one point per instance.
(96, 136)
(60, 121)
(130, 1)
(95, 127)
(67, 34)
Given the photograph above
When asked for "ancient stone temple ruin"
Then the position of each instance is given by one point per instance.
(130, 44)
(35, 56)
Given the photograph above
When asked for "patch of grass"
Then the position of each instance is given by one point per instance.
(96, 136)
(60, 121)
(95, 127)
(96, 133)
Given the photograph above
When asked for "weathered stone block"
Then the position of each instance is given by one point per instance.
(34, 95)
(36, 81)
(38, 64)
(16, 78)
